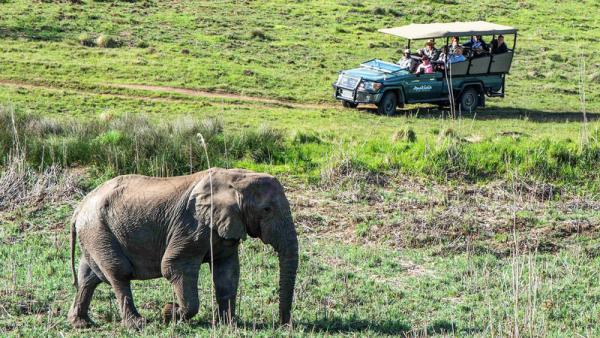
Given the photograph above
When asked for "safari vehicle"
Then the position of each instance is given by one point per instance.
(388, 85)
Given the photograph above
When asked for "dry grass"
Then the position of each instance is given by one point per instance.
(22, 185)
(414, 213)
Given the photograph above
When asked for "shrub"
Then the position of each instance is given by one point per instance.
(86, 39)
(259, 35)
(306, 137)
(379, 11)
(404, 135)
(111, 137)
(142, 44)
(265, 145)
(106, 41)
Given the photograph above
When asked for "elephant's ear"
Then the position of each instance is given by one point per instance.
(227, 214)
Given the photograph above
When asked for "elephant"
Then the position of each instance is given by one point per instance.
(135, 227)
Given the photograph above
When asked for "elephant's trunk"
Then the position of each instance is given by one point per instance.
(288, 265)
(286, 245)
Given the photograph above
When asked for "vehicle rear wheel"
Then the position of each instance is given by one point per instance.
(469, 100)
(388, 104)
(348, 104)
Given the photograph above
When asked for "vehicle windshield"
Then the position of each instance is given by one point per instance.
(383, 66)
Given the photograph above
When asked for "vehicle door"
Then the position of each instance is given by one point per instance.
(425, 87)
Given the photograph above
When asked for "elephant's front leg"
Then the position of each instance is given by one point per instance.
(184, 278)
(226, 277)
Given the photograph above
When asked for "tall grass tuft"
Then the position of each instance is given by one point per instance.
(133, 144)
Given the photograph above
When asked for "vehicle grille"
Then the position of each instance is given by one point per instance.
(348, 82)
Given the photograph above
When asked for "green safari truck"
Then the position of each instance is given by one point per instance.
(463, 82)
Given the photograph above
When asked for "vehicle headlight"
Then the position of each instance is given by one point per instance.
(370, 86)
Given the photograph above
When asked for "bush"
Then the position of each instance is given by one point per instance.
(133, 144)
(259, 35)
(87, 40)
(265, 145)
(404, 135)
(105, 41)
(303, 138)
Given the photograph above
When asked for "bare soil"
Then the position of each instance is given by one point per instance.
(166, 89)
(415, 213)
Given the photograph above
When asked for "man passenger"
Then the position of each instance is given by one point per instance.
(498, 46)
(407, 62)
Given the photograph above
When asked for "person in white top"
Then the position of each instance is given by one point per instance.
(407, 62)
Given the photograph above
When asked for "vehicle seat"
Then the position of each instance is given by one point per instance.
(459, 68)
(501, 62)
(480, 64)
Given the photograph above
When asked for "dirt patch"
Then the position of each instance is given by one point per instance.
(413, 213)
(165, 89)
(218, 95)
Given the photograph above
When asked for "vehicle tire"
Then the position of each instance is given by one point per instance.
(469, 100)
(388, 104)
(348, 104)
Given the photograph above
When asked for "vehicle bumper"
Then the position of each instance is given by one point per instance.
(356, 95)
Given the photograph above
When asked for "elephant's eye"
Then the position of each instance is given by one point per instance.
(267, 209)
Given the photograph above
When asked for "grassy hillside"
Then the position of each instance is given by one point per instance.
(465, 261)
(416, 225)
(289, 50)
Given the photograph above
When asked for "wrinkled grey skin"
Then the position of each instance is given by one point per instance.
(138, 227)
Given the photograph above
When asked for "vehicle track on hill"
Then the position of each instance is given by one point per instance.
(165, 89)
(219, 95)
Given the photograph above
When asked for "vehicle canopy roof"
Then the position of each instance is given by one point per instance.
(438, 30)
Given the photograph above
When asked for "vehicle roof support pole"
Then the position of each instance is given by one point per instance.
(447, 54)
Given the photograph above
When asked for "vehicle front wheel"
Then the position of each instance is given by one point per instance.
(348, 104)
(469, 100)
(388, 104)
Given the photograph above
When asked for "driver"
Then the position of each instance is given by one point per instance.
(407, 62)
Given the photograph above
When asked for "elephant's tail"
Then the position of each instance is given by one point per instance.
(73, 242)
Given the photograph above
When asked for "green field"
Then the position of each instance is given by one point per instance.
(414, 225)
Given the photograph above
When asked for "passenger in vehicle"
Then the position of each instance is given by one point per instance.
(425, 66)
(407, 62)
(429, 50)
(498, 46)
(444, 53)
(477, 44)
(457, 56)
(455, 43)
(444, 56)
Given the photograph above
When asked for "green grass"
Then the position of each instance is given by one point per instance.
(343, 289)
(378, 257)
(117, 142)
(292, 50)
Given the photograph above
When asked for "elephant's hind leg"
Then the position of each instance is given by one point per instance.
(129, 316)
(88, 281)
(115, 267)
